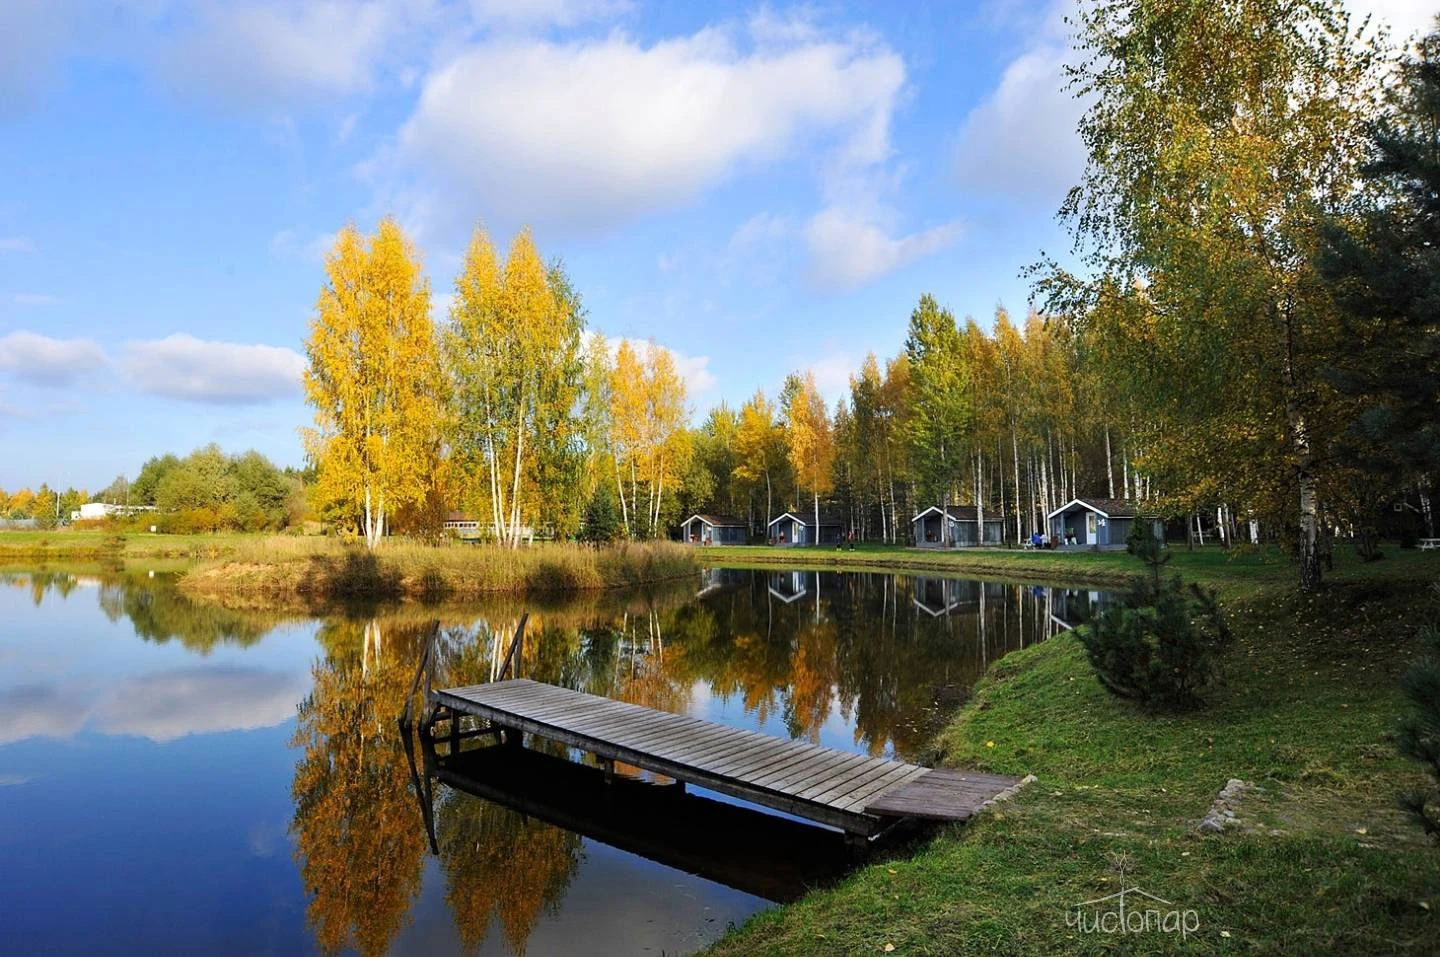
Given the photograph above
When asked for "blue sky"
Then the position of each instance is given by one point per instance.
(759, 188)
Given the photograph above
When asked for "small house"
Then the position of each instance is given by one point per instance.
(938, 527)
(1100, 522)
(794, 528)
(700, 529)
(463, 526)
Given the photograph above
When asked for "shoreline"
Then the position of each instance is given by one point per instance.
(1014, 565)
(1306, 715)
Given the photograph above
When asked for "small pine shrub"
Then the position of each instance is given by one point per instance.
(1161, 643)
(1419, 737)
(602, 518)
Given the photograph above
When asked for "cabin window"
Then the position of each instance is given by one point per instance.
(1090, 523)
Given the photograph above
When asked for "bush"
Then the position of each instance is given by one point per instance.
(1161, 643)
(1420, 730)
(602, 518)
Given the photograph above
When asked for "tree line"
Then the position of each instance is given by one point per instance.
(1256, 224)
(1250, 334)
(508, 411)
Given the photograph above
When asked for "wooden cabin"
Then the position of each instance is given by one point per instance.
(938, 528)
(798, 528)
(701, 529)
(1100, 522)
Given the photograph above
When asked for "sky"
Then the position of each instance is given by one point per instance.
(759, 188)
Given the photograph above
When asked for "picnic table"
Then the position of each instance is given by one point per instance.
(1429, 544)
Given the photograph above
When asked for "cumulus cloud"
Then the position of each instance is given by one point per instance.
(847, 249)
(588, 134)
(16, 244)
(173, 704)
(40, 360)
(1020, 141)
(216, 373)
(262, 55)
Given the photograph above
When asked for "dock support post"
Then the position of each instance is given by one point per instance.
(609, 765)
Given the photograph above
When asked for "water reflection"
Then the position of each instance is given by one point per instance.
(867, 662)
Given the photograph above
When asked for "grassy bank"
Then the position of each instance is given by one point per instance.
(1250, 568)
(1323, 863)
(88, 545)
(317, 571)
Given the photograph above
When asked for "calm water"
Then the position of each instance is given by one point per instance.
(175, 778)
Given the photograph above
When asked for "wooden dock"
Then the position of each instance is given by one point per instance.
(859, 794)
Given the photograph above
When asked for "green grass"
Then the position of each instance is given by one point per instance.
(69, 544)
(1244, 570)
(1307, 713)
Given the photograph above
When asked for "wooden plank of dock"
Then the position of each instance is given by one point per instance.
(854, 792)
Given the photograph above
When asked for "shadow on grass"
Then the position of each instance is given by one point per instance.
(353, 576)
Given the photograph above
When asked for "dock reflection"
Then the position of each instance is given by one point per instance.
(750, 850)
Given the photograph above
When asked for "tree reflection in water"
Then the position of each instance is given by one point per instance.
(357, 843)
(501, 866)
(889, 656)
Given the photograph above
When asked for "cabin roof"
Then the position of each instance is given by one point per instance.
(1109, 507)
(961, 513)
(717, 521)
(808, 519)
(459, 517)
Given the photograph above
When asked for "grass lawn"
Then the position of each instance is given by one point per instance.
(74, 544)
(1322, 863)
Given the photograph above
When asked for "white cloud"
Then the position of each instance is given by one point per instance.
(533, 13)
(40, 360)
(847, 249)
(694, 371)
(16, 244)
(35, 299)
(216, 373)
(588, 134)
(263, 55)
(1021, 141)
(174, 704)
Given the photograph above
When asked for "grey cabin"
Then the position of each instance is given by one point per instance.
(938, 528)
(700, 529)
(799, 529)
(1099, 522)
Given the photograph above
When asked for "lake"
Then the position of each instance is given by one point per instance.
(180, 778)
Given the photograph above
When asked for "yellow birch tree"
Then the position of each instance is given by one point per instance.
(373, 378)
(812, 442)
